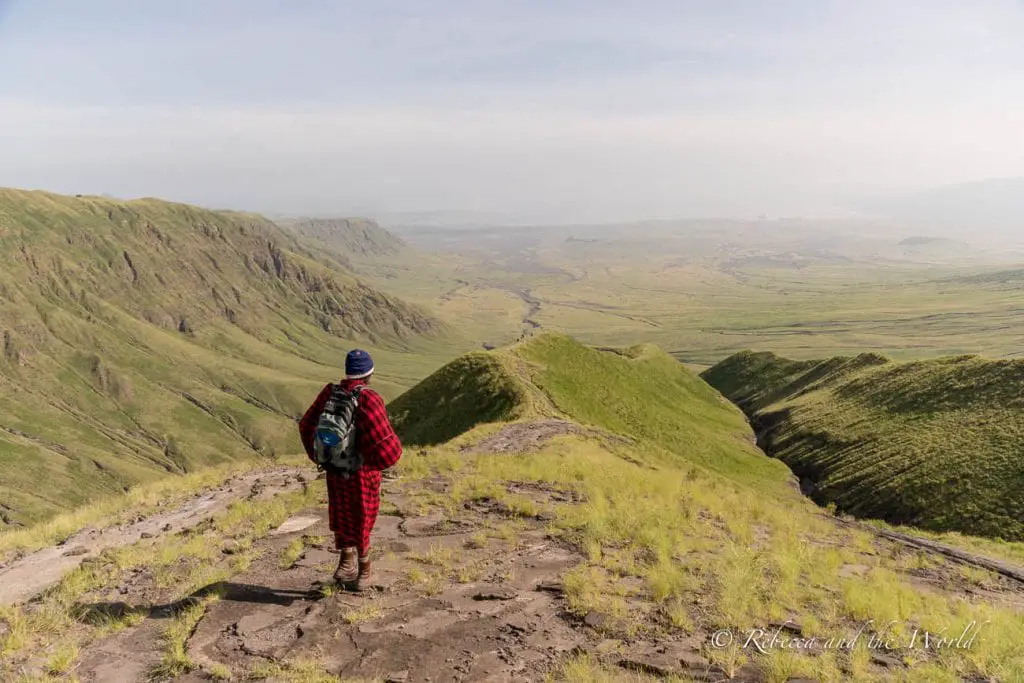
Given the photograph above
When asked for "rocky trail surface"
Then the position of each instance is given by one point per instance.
(29, 575)
(472, 596)
(465, 597)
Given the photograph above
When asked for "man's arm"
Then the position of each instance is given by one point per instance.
(307, 425)
(378, 442)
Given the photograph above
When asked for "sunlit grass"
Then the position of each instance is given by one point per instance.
(185, 564)
(298, 671)
(291, 553)
(175, 660)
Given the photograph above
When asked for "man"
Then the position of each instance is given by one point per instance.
(353, 502)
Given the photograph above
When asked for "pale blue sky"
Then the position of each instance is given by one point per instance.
(553, 109)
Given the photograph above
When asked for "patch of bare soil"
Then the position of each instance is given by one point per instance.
(33, 573)
(524, 437)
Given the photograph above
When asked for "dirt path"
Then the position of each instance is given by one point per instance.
(474, 594)
(33, 573)
(471, 596)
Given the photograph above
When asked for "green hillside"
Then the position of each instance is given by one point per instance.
(477, 388)
(936, 444)
(640, 392)
(144, 338)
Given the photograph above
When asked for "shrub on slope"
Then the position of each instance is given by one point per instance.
(933, 443)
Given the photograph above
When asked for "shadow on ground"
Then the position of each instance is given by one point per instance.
(99, 612)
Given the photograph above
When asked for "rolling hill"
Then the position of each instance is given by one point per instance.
(935, 443)
(638, 392)
(144, 338)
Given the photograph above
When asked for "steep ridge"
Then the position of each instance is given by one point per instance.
(934, 444)
(145, 337)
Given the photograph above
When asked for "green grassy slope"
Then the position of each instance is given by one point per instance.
(687, 529)
(477, 388)
(935, 444)
(144, 338)
(644, 393)
(640, 392)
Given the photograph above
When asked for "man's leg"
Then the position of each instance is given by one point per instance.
(347, 542)
(371, 506)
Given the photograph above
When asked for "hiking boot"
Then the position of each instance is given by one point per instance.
(347, 573)
(365, 571)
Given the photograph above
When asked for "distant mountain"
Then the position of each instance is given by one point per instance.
(988, 209)
(924, 241)
(348, 236)
(143, 338)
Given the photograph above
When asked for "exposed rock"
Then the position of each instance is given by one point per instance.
(498, 594)
(888, 661)
(608, 645)
(295, 524)
(252, 623)
(790, 626)
(551, 587)
(693, 660)
(655, 664)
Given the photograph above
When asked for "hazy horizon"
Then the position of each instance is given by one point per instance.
(541, 112)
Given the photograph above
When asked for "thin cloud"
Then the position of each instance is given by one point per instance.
(563, 109)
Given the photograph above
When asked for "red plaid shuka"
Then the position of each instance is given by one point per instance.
(353, 503)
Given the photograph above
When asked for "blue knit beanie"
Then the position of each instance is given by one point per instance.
(358, 364)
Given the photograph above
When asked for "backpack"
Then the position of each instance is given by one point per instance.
(334, 441)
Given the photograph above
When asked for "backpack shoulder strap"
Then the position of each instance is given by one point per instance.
(339, 395)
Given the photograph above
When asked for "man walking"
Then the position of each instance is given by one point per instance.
(354, 499)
